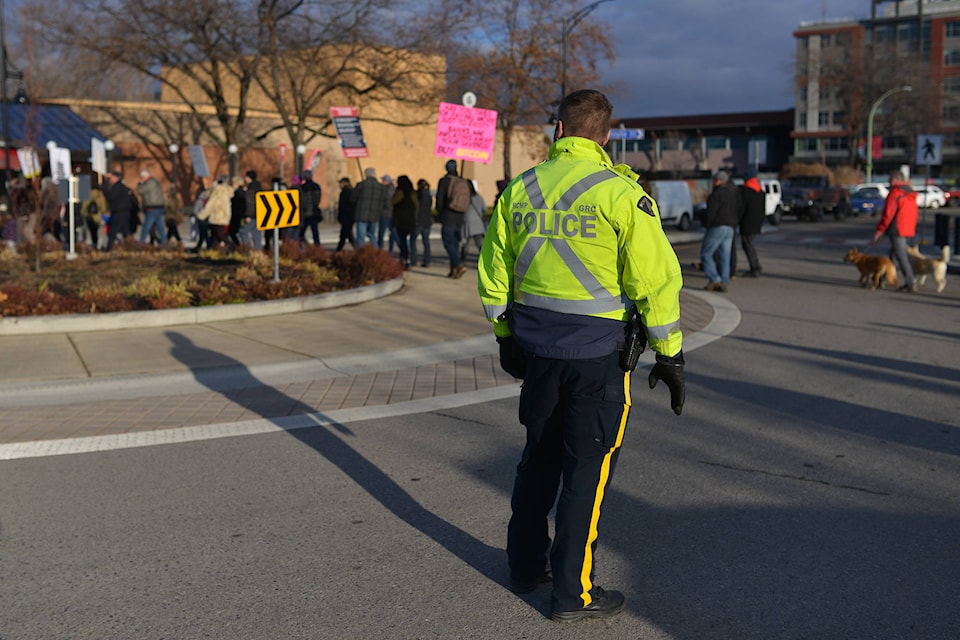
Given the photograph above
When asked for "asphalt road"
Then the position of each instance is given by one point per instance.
(810, 490)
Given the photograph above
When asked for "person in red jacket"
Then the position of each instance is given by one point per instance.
(899, 223)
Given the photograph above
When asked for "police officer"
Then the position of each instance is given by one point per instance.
(574, 249)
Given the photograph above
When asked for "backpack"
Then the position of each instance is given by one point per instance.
(458, 194)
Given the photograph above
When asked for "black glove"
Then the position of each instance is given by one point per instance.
(670, 370)
(512, 358)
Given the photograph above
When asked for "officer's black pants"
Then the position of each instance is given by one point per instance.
(575, 412)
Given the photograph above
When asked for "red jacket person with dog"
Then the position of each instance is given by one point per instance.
(899, 222)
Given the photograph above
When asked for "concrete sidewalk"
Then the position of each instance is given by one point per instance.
(428, 340)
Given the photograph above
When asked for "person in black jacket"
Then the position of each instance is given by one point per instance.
(120, 202)
(720, 221)
(346, 214)
(310, 215)
(753, 205)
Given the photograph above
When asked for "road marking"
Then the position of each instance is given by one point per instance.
(726, 318)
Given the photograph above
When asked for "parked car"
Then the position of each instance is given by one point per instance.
(953, 194)
(867, 201)
(674, 201)
(882, 187)
(930, 196)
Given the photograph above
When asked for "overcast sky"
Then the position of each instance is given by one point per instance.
(691, 57)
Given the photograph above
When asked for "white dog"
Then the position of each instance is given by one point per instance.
(924, 266)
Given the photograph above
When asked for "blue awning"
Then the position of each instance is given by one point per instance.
(36, 124)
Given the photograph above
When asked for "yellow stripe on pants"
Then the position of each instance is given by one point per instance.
(601, 489)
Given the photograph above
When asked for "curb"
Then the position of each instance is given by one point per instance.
(73, 323)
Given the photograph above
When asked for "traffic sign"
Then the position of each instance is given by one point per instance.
(626, 134)
(278, 209)
(930, 149)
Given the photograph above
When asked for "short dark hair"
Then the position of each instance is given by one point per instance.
(586, 114)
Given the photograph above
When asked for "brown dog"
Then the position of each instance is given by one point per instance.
(876, 267)
(924, 266)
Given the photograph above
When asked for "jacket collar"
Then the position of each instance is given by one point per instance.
(582, 148)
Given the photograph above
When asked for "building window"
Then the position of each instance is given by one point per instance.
(717, 143)
(843, 39)
(885, 33)
(836, 143)
(802, 122)
(953, 30)
(839, 118)
(803, 95)
(824, 93)
(803, 42)
(809, 144)
(951, 112)
(825, 40)
(823, 118)
(951, 57)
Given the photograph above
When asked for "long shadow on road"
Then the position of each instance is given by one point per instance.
(256, 397)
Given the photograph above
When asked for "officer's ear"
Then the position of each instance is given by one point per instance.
(558, 131)
(605, 140)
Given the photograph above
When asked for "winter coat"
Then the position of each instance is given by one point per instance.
(404, 210)
(424, 209)
(901, 204)
(371, 199)
(217, 210)
(473, 222)
(753, 207)
(723, 207)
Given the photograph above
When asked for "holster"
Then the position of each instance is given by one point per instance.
(634, 342)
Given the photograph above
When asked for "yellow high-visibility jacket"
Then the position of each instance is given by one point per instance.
(577, 235)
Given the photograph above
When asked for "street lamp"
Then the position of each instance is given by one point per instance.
(873, 111)
(301, 149)
(568, 25)
(109, 146)
(173, 149)
(232, 150)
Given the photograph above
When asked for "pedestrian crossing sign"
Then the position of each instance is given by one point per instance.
(929, 149)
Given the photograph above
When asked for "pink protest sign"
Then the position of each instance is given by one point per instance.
(465, 133)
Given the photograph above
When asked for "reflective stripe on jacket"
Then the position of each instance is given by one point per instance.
(576, 235)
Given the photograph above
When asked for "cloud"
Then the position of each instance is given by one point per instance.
(692, 57)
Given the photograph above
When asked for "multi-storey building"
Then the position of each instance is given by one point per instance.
(845, 69)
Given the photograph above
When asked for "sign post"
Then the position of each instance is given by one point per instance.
(275, 210)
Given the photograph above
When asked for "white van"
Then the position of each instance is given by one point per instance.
(772, 197)
(774, 210)
(674, 201)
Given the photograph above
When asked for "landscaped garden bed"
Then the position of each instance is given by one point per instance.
(136, 277)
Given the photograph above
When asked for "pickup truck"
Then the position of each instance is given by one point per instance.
(810, 197)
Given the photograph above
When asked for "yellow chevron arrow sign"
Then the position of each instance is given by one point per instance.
(278, 209)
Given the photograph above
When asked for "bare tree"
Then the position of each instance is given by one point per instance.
(513, 56)
(359, 53)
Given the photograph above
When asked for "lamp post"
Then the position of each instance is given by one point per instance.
(173, 149)
(232, 150)
(569, 23)
(301, 149)
(873, 111)
(109, 146)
